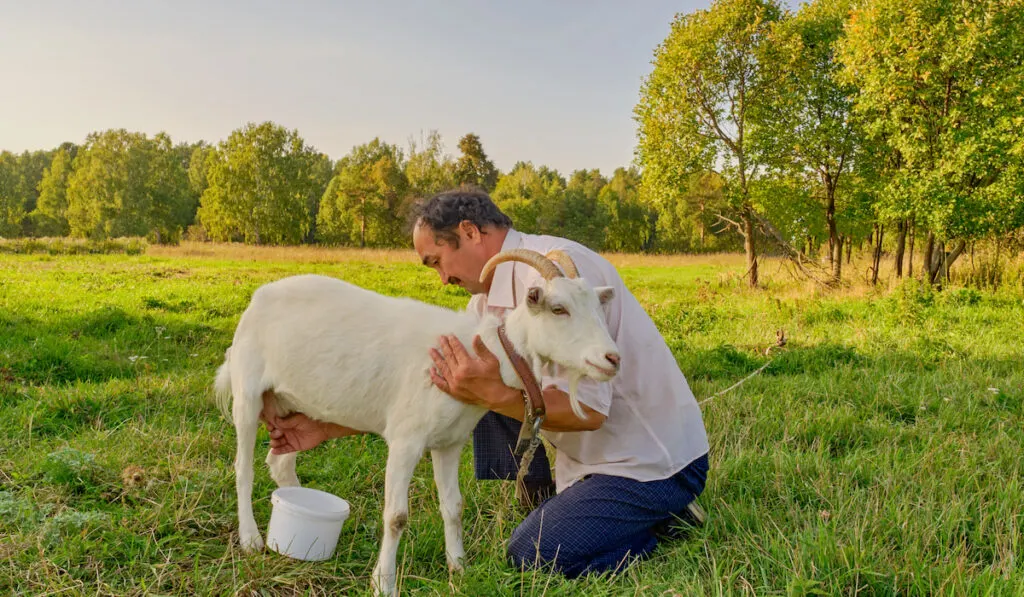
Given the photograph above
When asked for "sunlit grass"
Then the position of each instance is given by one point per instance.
(878, 452)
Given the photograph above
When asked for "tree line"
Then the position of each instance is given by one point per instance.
(848, 119)
(891, 122)
(265, 185)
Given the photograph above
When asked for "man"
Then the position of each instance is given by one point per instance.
(627, 472)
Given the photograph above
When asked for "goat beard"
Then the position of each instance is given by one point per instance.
(574, 403)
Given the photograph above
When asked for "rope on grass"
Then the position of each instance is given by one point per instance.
(780, 341)
(735, 385)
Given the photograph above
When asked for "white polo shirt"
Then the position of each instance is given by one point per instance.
(654, 426)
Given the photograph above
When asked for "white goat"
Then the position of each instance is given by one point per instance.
(346, 355)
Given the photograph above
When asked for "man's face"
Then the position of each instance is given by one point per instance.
(460, 266)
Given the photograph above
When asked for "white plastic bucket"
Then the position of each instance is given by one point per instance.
(305, 523)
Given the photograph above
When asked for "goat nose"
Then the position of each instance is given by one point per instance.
(613, 359)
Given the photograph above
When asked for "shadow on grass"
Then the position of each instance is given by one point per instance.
(100, 345)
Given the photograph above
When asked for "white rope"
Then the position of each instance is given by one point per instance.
(735, 385)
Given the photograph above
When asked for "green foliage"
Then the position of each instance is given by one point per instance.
(532, 197)
(910, 301)
(262, 184)
(127, 184)
(473, 166)
(18, 513)
(429, 169)
(52, 207)
(630, 222)
(72, 468)
(584, 217)
(704, 105)
(69, 246)
(813, 141)
(364, 202)
(12, 208)
(942, 85)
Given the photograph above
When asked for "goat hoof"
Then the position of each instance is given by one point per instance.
(381, 585)
(252, 543)
(455, 566)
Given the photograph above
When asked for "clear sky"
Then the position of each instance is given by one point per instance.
(551, 82)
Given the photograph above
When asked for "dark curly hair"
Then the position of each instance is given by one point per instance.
(445, 211)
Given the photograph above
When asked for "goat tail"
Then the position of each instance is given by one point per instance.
(222, 385)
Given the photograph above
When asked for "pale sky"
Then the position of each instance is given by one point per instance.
(551, 82)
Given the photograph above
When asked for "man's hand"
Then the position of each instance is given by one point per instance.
(473, 380)
(477, 380)
(294, 433)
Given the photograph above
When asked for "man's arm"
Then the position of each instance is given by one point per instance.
(297, 432)
(477, 380)
(558, 407)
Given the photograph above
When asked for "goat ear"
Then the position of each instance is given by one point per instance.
(535, 298)
(605, 294)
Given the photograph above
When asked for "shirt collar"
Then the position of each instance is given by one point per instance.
(502, 286)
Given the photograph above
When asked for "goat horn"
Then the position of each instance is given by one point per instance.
(539, 262)
(562, 258)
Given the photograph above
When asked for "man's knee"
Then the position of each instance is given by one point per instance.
(527, 550)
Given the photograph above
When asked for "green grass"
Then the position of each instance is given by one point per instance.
(879, 453)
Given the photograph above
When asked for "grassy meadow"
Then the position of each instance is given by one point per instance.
(878, 453)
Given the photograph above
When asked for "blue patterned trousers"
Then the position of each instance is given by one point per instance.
(596, 525)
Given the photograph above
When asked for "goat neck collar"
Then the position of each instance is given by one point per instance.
(531, 386)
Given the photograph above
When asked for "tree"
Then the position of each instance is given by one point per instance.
(107, 188)
(700, 108)
(12, 208)
(430, 170)
(473, 167)
(199, 162)
(629, 222)
(127, 184)
(51, 215)
(364, 199)
(585, 217)
(688, 218)
(942, 85)
(174, 202)
(31, 166)
(321, 173)
(261, 182)
(19, 190)
(531, 197)
(814, 135)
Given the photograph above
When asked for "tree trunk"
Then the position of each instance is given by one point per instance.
(996, 278)
(835, 252)
(362, 223)
(926, 262)
(877, 257)
(935, 264)
(938, 269)
(652, 233)
(910, 258)
(951, 257)
(849, 249)
(837, 261)
(901, 243)
(747, 218)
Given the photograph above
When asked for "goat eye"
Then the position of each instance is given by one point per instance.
(559, 311)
